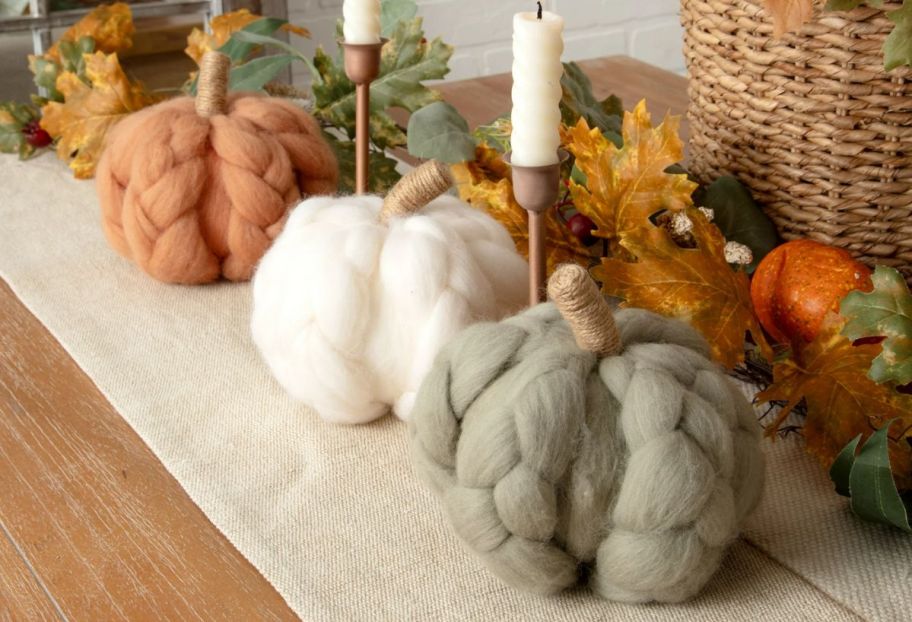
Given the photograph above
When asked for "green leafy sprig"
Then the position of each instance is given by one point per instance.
(865, 477)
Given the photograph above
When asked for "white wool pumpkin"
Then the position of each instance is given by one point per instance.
(351, 305)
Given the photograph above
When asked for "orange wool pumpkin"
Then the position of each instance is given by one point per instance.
(797, 283)
(195, 189)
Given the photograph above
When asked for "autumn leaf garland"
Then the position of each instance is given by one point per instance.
(486, 184)
(625, 188)
(842, 402)
(626, 185)
(90, 110)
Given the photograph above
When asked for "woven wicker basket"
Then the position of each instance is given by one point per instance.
(810, 122)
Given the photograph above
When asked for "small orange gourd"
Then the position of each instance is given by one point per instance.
(194, 189)
(798, 283)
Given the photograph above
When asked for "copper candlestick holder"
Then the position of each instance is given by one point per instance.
(536, 189)
(362, 66)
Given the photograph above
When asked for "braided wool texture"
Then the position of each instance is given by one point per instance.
(553, 465)
(190, 199)
(349, 313)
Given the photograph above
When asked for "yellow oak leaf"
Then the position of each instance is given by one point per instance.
(89, 111)
(695, 285)
(831, 374)
(110, 25)
(222, 26)
(789, 15)
(626, 185)
(485, 184)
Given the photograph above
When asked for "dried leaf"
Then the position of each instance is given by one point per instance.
(199, 42)
(109, 25)
(89, 111)
(695, 285)
(842, 402)
(626, 185)
(485, 183)
(789, 15)
(885, 312)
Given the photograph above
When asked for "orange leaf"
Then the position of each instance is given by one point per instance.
(110, 25)
(199, 42)
(485, 183)
(693, 284)
(627, 185)
(89, 111)
(842, 402)
(789, 15)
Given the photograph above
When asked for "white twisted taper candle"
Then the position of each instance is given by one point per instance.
(361, 21)
(538, 43)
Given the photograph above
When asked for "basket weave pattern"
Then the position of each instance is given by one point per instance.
(810, 122)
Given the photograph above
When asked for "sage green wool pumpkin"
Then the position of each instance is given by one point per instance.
(555, 465)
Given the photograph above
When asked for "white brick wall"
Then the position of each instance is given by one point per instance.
(481, 30)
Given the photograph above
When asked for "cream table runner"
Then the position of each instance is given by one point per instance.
(332, 516)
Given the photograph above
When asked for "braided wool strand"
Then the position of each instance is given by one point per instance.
(192, 198)
(640, 466)
(349, 312)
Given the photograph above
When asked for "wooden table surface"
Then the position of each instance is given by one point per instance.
(92, 526)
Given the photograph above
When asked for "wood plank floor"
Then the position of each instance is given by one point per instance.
(92, 527)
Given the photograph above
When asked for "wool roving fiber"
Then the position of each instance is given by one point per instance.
(193, 189)
(564, 452)
(357, 295)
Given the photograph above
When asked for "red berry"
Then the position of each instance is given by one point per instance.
(582, 226)
(35, 135)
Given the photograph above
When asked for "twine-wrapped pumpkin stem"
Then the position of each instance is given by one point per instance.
(212, 86)
(418, 188)
(585, 309)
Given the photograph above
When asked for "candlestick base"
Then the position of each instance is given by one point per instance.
(362, 60)
(362, 66)
(536, 188)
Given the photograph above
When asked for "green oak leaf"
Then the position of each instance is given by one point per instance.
(394, 11)
(439, 132)
(383, 173)
(579, 101)
(898, 46)
(45, 72)
(884, 312)
(867, 480)
(738, 217)
(406, 61)
(496, 134)
(71, 55)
